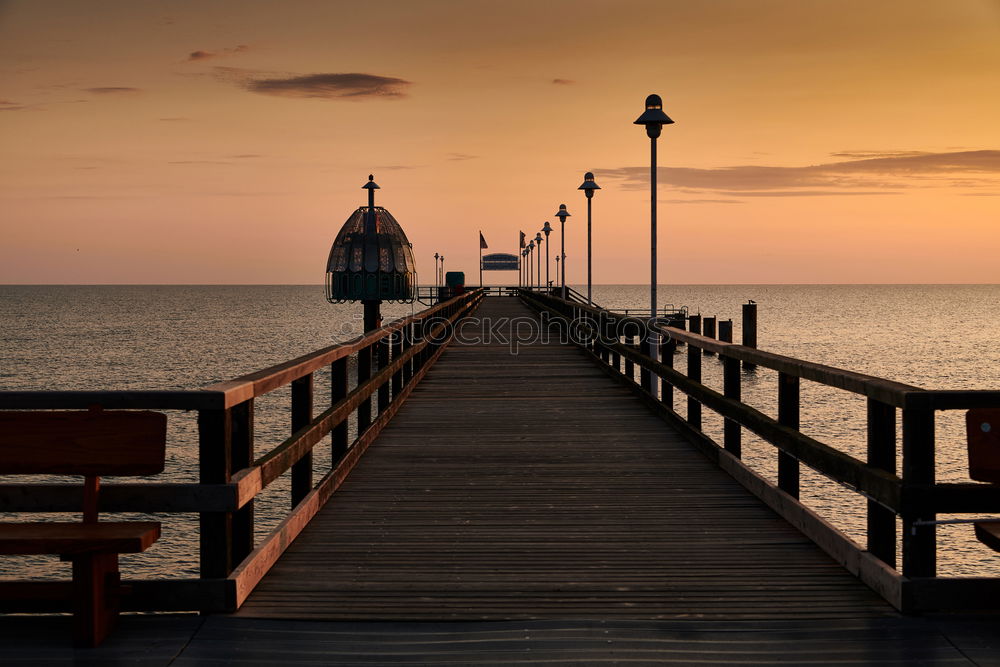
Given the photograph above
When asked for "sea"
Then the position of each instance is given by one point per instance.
(115, 337)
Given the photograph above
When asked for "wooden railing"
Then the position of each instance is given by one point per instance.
(230, 476)
(912, 494)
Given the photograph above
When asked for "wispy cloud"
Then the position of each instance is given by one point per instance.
(348, 86)
(876, 173)
(175, 119)
(397, 167)
(113, 90)
(461, 156)
(199, 55)
(563, 82)
(7, 105)
(700, 201)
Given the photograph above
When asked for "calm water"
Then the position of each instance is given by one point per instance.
(182, 337)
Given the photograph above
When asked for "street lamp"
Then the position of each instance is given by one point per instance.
(437, 274)
(654, 119)
(538, 275)
(588, 188)
(562, 214)
(548, 230)
(557, 266)
(531, 272)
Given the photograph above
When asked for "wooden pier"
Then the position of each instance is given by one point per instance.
(514, 499)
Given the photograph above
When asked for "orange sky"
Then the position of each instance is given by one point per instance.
(226, 142)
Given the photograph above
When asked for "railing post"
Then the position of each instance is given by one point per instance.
(882, 455)
(338, 392)
(667, 347)
(629, 364)
(408, 339)
(616, 358)
(302, 409)
(732, 434)
(382, 348)
(241, 456)
(788, 415)
(397, 352)
(694, 373)
(919, 542)
(215, 438)
(364, 373)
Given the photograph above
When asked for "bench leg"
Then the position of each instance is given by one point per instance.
(95, 594)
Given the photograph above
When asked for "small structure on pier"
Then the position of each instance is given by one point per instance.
(371, 258)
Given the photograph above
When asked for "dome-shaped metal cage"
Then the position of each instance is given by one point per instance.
(371, 260)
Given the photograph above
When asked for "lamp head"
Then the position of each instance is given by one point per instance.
(538, 238)
(589, 185)
(531, 245)
(547, 228)
(371, 184)
(562, 213)
(653, 118)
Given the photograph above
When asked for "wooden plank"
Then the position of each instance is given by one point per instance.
(73, 537)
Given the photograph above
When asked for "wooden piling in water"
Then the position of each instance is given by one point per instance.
(708, 329)
(749, 328)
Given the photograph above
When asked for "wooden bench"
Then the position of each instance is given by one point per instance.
(90, 443)
(983, 430)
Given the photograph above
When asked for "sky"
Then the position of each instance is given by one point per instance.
(226, 142)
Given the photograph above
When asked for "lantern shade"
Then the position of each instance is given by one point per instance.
(371, 260)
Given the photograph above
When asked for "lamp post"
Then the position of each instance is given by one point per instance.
(538, 269)
(557, 266)
(437, 274)
(588, 188)
(548, 230)
(562, 214)
(531, 269)
(523, 266)
(654, 119)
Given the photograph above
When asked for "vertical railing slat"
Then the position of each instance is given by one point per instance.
(788, 415)
(302, 411)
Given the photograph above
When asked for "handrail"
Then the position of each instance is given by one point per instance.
(230, 476)
(912, 495)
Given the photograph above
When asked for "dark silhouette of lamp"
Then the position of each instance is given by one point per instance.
(562, 214)
(654, 119)
(588, 188)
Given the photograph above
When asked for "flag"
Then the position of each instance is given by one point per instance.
(482, 241)
(522, 240)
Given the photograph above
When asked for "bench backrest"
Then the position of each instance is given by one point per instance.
(91, 443)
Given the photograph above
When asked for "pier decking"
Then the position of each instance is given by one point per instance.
(530, 486)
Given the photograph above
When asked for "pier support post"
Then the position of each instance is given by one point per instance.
(726, 331)
(708, 329)
(749, 329)
(788, 415)
(882, 455)
(919, 541)
(302, 411)
(338, 392)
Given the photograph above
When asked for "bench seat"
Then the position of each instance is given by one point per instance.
(67, 538)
